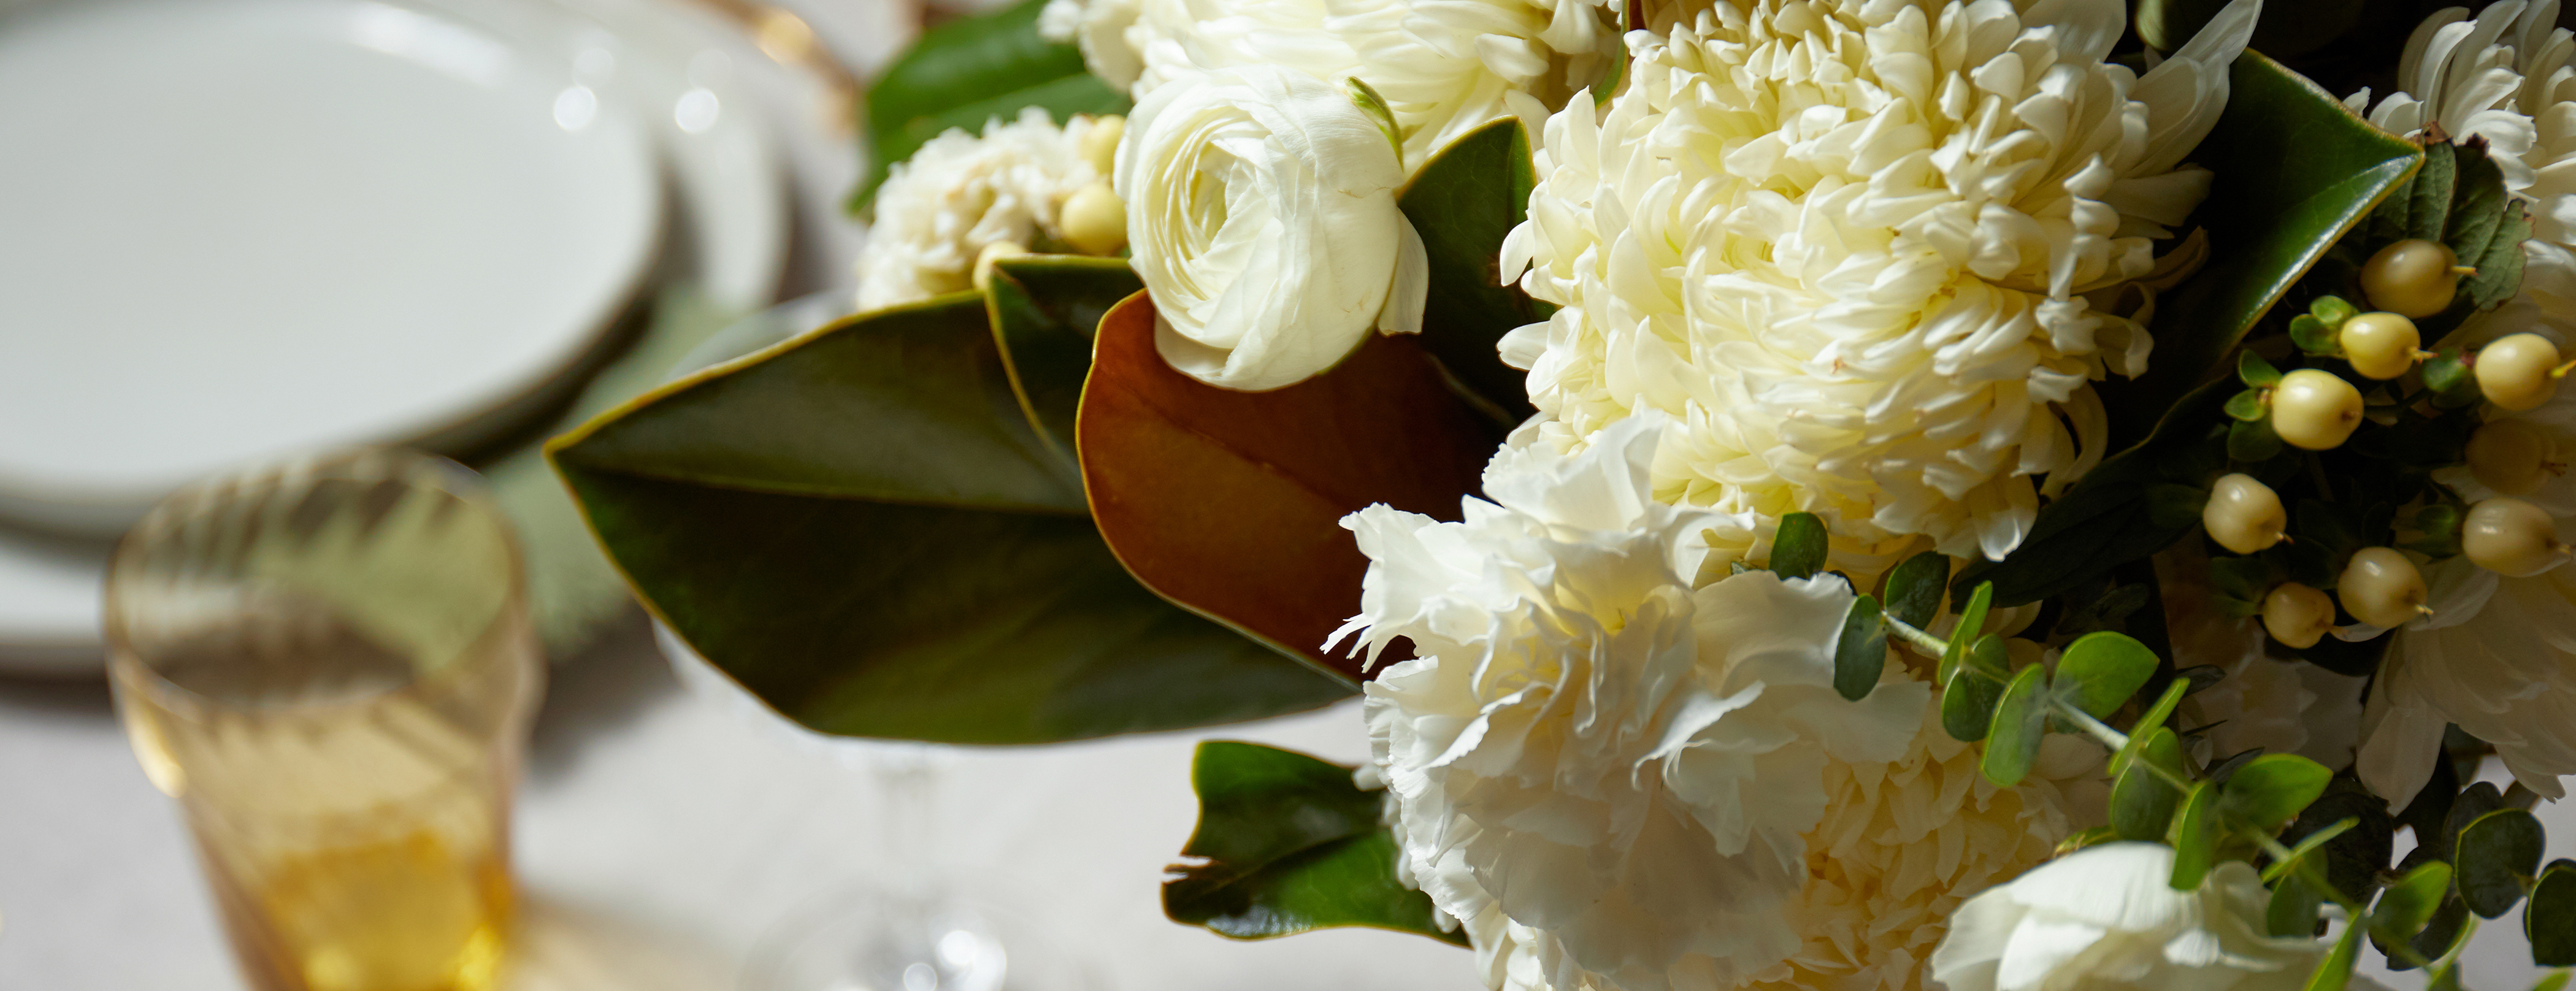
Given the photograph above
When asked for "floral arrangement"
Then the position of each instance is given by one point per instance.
(1985, 494)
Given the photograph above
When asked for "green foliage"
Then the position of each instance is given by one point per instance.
(1971, 620)
(2142, 804)
(2458, 198)
(2550, 920)
(2409, 902)
(1860, 653)
(2269, 790)
(968, 71)
(2497, 855)
(2020, 722)
(1289, 844)
(2292, 910)
(2353, 858)
(2195, 836)
(2252, 440)
(2252, 370)
(1043, 310)
(2248, 405)
(1968, 703)
(2335, 971)
(1914, 587)
(1463, 202)
(1798, 548)
(2147, 724)
(2099, 671)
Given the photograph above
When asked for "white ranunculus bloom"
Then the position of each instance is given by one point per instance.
(1869, 254)
(1617, 781)
(1100, 28)
(1261, 216)
(959, 193)
(2105, 918)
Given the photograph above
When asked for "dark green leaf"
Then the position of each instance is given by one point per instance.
(2148, 724)
(1860, 654)
(2549, 922)
(2308, 845)
(2496, 856)
(2473, 802)
(2409, 903)
(2353, 859)
(2444, 933)
(967, 71)
(2485, 228)
(2293, 171)
(2195, 837)
(2292, 910)
(2099, 671)
(862, 529)
(1798, 550)
(2253, 440)
(1971, 620)
(2431, 806)
(2248, 405)
(2142, 803)
(2021, 721)
(2252, 370)
(1914, 588)
(1463, 202)
(2176, 507)
(1289, 845)
(1968, 702)
(2271, 789)
(1044, 309)
(2313, 336)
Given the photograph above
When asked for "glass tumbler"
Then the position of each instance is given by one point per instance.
(329, 663)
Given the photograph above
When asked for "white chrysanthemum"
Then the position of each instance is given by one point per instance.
(1616, 781)
(1865, 252)
(2106, 918)
(938, 209)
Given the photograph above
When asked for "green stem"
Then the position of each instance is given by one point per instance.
(1906, 632)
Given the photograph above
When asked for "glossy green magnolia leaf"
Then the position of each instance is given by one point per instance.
(1860, 653)
(2021, 721)
(2292, 171)
(2148, 724)
(1914, 588)
(1043, 310)
(2195, 837)
(2270, 790)
(2142, 802)
(1230, 503)
(2100, 671)
(2409, 902)
(1288, 844)
(861, 528)
(1968, 703)
(2549, 922)
(2292, 909)
(2335, 971)
(1972, 620)
(1463, 201)
(2495, 857)
(971, 70)
(1799, 548)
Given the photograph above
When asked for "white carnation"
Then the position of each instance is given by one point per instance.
(1867, 253)
(2106, 918)
(938, 209)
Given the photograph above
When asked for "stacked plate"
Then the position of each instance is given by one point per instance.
(232, 229)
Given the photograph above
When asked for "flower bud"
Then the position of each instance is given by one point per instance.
(2244, 515)
(2511, 456)
(993, 252)
(1100, 143)
(2297, 615)
(1094, 221)
(2518, 372)
(2511, 537)
(2316, 410)
(2380, 345)
(2381, 587)
(2414, 278)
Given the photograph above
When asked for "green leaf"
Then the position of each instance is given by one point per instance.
(2292, 171)
(2472, 803)
(2271, 789)
(1230, 503)
(2496, 856)
(2459, 198)
(2308, 845)
(1990, 657)
(2335, 971)
(971, 70)
(2021, 721)
(1968, 702)
(1463, 202)
(2554, 982)
(2332, 311)
(2313, 336)
(2248, 405)
(2354, 858)
(2099, 671)
(1289, 845)
(2252, 441)
(2447, 374)
(2176, 507)
(2409, 902)
(2195, 837)
(1043, 310)
(2256, 372)
(1860, 654)
(2292, 910)
(862, 529)
(1914, 588)
(1971, 621)
(2143, 804)
(2147, 724)
(2549, 922)
(1798, 549)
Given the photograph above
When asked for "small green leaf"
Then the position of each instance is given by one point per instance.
(2315, 337)
(2332, 311)
(1971, 620)
(2021, 721)
(971, 70)
(2252, 441)
(2410, 902)
(2099, 671)
(2252, 370)
(2147, 725)
(1914, 588)
(2354, 858)
(1798, 549)
(1290, 844)
(1365, 97)
(1860, 655)
(2248, 406)
(2271, 789)
(2142, 803)
(2335, 970)
(2550, 920)
(2307, 846)
(1968, 704)
(2478, 799)
(2292, 910)
(2554, 982)
(2497, 855)
(2195, 837)
(2447, 374)
(1988, 656)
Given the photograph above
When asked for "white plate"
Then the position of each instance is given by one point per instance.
(236, 228)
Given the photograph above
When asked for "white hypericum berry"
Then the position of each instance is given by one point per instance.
(2381, 587)
(2244, 515)
(2315, 409)
(993, 252)
(2415, 278)
(2511, 537)
(1094, 221)
(2297, 615)
(2511, 456)
(1100, 142)
(2518, 372)
(2380, 345)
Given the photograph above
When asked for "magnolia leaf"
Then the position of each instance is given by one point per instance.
(1968, 703)
(2271, 789)
(1971, 620)
(1230, 503)
(2292, 170)
(2335, 971)
(2549, 922)
(861, 528)
(2021, 721)
(2099, 671)
(1799, 548)
(2142, 803)
(1289, 844)
(1860, 654)
(2292, 910)
(2409, 902)
(1463, 201)
(1914, 587)
(2195, 837)
(2496, 856)
(1043, 310)
(971, 70)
